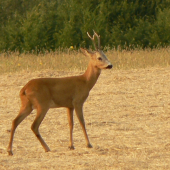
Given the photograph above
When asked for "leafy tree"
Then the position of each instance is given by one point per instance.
(40, 25)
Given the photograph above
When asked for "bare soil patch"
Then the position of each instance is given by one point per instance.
(127, 118)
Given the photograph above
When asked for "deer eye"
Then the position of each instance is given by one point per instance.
(100, 59)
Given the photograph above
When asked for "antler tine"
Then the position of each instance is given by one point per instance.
(98, 37)
(92, 40)
(90, 36)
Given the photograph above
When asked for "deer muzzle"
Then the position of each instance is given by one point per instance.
(109, 66)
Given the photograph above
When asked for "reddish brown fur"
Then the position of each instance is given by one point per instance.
(69, 92)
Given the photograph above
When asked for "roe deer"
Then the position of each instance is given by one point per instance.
(69, 92)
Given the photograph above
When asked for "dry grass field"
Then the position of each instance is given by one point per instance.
(127, 114)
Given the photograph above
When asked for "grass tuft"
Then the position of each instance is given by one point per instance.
(76, 61)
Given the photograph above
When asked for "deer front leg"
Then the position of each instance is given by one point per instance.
(79, 113)
(71, 124)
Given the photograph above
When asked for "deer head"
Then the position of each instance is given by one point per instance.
(98, 57)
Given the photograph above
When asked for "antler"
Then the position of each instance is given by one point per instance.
(98, 38)
(92, 38)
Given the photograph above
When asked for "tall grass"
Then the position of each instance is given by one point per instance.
(59, 60)
(70, 60)
(139, 58)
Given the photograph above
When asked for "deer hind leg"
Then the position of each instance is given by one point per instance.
(25, 110)
(79, 113)
(71, 124)
(41, 112)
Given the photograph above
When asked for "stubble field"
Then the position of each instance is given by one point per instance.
(127, 118)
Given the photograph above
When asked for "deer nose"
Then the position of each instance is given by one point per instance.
(109, 66)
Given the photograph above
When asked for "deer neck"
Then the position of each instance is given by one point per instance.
(91, 75)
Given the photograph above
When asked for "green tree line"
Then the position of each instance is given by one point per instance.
(46, 25)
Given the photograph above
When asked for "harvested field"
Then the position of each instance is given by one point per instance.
(127, 118)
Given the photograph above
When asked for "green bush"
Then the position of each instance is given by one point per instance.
(40, 25)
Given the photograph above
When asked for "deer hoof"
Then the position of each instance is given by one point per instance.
(71, 147)
(48, 150)
(10, 153)
(89, 146)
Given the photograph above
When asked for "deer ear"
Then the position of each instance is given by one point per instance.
(86, 52)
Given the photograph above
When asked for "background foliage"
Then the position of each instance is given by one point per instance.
(41, 25)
